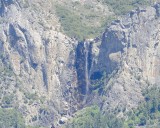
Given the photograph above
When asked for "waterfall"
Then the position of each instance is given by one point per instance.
(83, 64)
(86, 50)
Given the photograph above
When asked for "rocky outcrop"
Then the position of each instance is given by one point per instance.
(49, 76)
(123, 64)
(41, 60)
(129, 55)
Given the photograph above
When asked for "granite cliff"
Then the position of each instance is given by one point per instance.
(40, 59)
(48, 76)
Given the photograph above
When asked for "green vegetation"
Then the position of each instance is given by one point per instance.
(148, 113)
(92, 117)
(11, 118)
(121, 7)
(89, 20)
(30, 97)
(81, 26)
(7, 100)
(96, 83)
(5, 71)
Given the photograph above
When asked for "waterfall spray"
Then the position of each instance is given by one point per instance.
(86, 50)
(86, 45)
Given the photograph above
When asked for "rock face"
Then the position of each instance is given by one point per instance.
(127, 59)
(124, 63)
(48, 75)
(40, 59)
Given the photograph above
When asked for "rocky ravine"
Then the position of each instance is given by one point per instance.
(50, 76)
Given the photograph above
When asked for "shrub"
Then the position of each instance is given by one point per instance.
(11, 118)
(148, 112)
(121, 7)
(92, 117)
(31, 96)
(75, 25)
(7, 101)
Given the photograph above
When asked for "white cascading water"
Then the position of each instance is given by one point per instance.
(86, 50)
